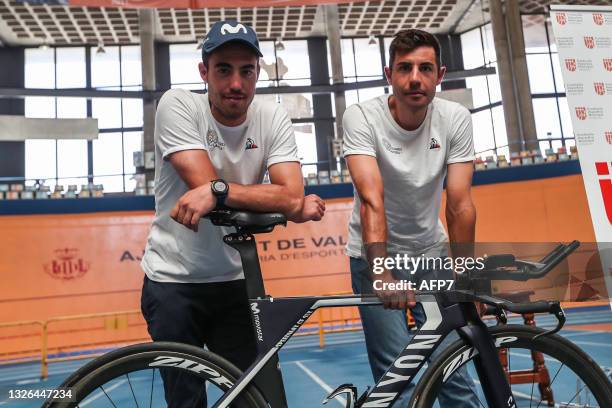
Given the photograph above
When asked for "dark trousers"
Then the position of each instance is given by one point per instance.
(213, 314)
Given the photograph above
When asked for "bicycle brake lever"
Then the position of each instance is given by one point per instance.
(501, 315)
(556, 310)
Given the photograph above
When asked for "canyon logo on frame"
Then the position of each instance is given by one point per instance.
(587, 38)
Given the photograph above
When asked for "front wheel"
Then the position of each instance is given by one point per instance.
(132, 377)
(564, 375)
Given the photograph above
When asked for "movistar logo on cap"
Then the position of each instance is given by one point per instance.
(233, 30)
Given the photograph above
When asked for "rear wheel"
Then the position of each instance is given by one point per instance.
(132, 377)
(566, 376)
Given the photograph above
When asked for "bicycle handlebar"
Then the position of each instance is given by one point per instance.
(524, 270)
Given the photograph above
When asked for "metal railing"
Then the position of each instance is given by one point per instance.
(111, 321)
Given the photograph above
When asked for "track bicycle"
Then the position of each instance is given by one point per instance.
(571, 377)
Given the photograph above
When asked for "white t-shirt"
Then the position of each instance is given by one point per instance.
(413, 167)
(239, 154)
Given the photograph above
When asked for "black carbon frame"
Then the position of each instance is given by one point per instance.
(277, 319)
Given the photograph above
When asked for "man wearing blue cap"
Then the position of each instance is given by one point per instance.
(213, 150)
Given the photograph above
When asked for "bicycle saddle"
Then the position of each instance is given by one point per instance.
(246, 221)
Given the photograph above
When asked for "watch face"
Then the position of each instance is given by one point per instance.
(219, 186)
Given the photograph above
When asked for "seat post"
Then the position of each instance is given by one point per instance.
(269, 380)
(244, 242)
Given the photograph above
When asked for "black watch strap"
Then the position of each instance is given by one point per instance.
(220, 189)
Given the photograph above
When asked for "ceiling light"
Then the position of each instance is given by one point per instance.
(279, 45)
(44, 45)
(100, 49)
(372, 41)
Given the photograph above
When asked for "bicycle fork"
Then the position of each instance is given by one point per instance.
(496, 388)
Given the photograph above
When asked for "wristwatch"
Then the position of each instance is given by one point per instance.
(220, 189)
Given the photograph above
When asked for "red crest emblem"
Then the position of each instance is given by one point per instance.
(608, 64)
(67, 265)
(600, 88)
(581, 113)
(598, 18)
(570, 64)
(589, 42)
(561, 18)
(609, 136)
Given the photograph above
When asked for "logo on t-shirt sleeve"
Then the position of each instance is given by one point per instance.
(433, 144)
(250, 144)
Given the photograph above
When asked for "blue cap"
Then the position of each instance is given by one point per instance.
(231, 30)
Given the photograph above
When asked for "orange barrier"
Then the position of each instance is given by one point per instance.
(21, 341)
(87, 332)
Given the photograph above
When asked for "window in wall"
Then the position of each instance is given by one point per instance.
(480, 94)
(370, 93)
(132, 142)
(105, 69)
(540, 73)
(293, 63)
(72, 154)
(108, 161)
(483, 131)
(471, 48)
(107, 111)
(267, 75)
(298, 106)
(39, 68)
(368, 60)
(534, 33)
(348, 58)
(546, 118)
(70, 67)
(184, 59)
(351, 98)
(131, 67)
(132, 112)
(307, 146)
(40, 155)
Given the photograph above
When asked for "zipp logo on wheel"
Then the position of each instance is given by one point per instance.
(605, 184)
(198, 368)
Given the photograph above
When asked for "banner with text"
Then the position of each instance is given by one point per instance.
(584, 42)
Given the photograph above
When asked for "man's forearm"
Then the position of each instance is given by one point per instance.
(462, 230)
(265, 198)
(374, 230)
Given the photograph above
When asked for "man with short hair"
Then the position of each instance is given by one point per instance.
(399, 148)
(213, 150)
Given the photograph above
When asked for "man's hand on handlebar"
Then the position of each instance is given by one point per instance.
(313, 209)
(392, 298)
(193, 205)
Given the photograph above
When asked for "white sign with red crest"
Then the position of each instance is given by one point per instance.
(590, 27)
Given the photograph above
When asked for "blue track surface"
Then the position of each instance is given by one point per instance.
(310, 372)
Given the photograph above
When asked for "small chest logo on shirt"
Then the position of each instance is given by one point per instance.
(433, 144)
(213, 140)
(394, 150)
(250, 144)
